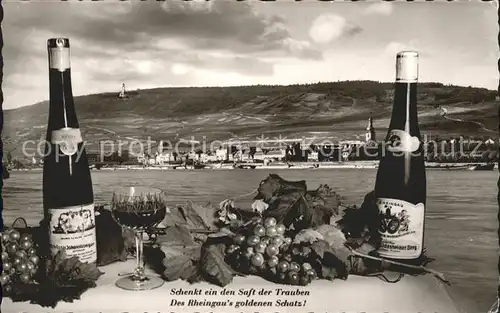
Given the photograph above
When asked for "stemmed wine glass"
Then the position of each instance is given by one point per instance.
(138, 208)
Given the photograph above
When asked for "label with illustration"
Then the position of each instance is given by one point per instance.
(67, 139)
(401, 228)
(73, 229)
(401, 141)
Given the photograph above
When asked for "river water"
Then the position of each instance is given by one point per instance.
(461, 220)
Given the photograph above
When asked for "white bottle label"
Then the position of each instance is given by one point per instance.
(73, 229)
(407, 67)
(401, 141)
(401, 228)
(67, 139)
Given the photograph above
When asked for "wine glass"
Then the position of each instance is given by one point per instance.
(138, 208)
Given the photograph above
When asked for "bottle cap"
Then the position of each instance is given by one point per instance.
(58, 49)
(58, 43)
(407, 67)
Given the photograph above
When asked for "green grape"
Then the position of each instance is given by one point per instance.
(272, 250)
(288, 240)
(25, 278)
(277, 241)
(305, 280)
(257, 259)
(280, 228)
(270, 221)
(16, 261)
(5, 256)
(25, 237)
(294, 267)
(266, 240)
(4, 279)
(259, 230)
(312, 273)
(306, 267)
(33, 271)
(271, 231)
(12, 248)
(12, 270)
(7, 289)
(26, 244)
(253, 240)
(32, 251)
(22, 268)
(239, 239)
(5, 238)
(273, 261)
(22, 254)
(283, 266)
(7, 266)
(14, 235)
(34, 259)
(30, 265)
(260, 247)
(293, 278)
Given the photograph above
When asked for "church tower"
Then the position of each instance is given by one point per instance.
(370, 131)
(123, 94)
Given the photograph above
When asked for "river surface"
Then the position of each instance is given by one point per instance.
(461, 219)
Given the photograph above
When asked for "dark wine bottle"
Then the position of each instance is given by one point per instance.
(400, 187)
(68, 199)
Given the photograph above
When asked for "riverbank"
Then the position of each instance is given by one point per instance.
(273, 166)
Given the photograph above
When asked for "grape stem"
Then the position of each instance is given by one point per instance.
(437, 274)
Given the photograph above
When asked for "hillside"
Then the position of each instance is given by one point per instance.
(337, 110)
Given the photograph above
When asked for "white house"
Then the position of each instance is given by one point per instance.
(221, 154)
(275, 154)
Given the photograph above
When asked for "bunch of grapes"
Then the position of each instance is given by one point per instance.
(19, 259)
(264, 249)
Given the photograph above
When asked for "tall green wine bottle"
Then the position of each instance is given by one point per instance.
(68, 198)
(400, 187)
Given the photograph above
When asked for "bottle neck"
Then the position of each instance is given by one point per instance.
(62, 108)
(404, 111)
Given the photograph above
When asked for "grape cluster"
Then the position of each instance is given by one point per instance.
(264, 249)
(19, 259)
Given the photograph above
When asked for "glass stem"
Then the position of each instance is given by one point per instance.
(139, 271)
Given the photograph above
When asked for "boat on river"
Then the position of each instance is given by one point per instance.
(482, 167)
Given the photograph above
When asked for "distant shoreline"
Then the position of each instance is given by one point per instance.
(280, 166)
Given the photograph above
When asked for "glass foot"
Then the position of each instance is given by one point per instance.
(131, 283)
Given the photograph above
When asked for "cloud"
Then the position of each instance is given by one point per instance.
(383, 8)
(143, 42)
(329, 27)
(393, 47)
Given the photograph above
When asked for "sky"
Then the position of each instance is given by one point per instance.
(227, 43)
